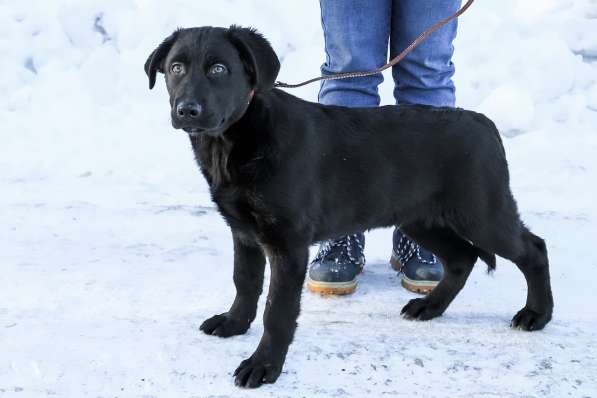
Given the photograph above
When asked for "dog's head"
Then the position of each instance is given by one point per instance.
(212, 74)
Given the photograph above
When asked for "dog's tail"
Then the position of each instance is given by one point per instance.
(488, 258)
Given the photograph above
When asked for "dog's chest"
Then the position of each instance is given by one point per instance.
(242, 208)
(231, 172)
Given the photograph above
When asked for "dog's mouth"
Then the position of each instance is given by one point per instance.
(193, 130)
(198, 130)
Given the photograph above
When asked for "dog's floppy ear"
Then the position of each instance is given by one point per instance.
(156, 58)
(259, 57)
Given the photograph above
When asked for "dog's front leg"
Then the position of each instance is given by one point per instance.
(249, 266)
(288, 268)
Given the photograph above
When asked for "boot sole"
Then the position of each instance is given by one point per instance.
(421, 287)
(332, 288)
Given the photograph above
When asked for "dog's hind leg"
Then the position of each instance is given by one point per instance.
(249, 267)
(505, 235)
(529, 253)
(458, 258)
(534, 265)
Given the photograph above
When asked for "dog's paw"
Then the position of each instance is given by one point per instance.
(420, 309)
(224, 325)
(251, 373)
(529, 320)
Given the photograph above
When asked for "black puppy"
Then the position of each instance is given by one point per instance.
(285, 173)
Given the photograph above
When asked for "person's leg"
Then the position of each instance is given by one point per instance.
(425, 75)
(356, 34)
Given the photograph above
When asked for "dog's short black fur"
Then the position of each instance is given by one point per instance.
(285, 173)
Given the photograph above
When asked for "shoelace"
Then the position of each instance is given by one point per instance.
(407, 249)
(344, 244)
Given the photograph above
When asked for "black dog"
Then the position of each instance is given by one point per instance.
(285, 173)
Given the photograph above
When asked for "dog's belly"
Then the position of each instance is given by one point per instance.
(368, 205)
(335, 226)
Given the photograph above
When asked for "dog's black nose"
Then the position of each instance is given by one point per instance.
(188, 110)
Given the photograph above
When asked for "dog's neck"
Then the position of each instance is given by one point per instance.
(211, 154)
(241, 140)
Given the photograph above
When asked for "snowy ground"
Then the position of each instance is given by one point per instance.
(112, 255)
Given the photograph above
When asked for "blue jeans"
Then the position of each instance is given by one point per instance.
(356, 36)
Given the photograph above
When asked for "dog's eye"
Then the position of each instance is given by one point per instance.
(217, 69)
(177, 68)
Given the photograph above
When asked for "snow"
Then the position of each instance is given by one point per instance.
(500, 104)
(112, 253)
